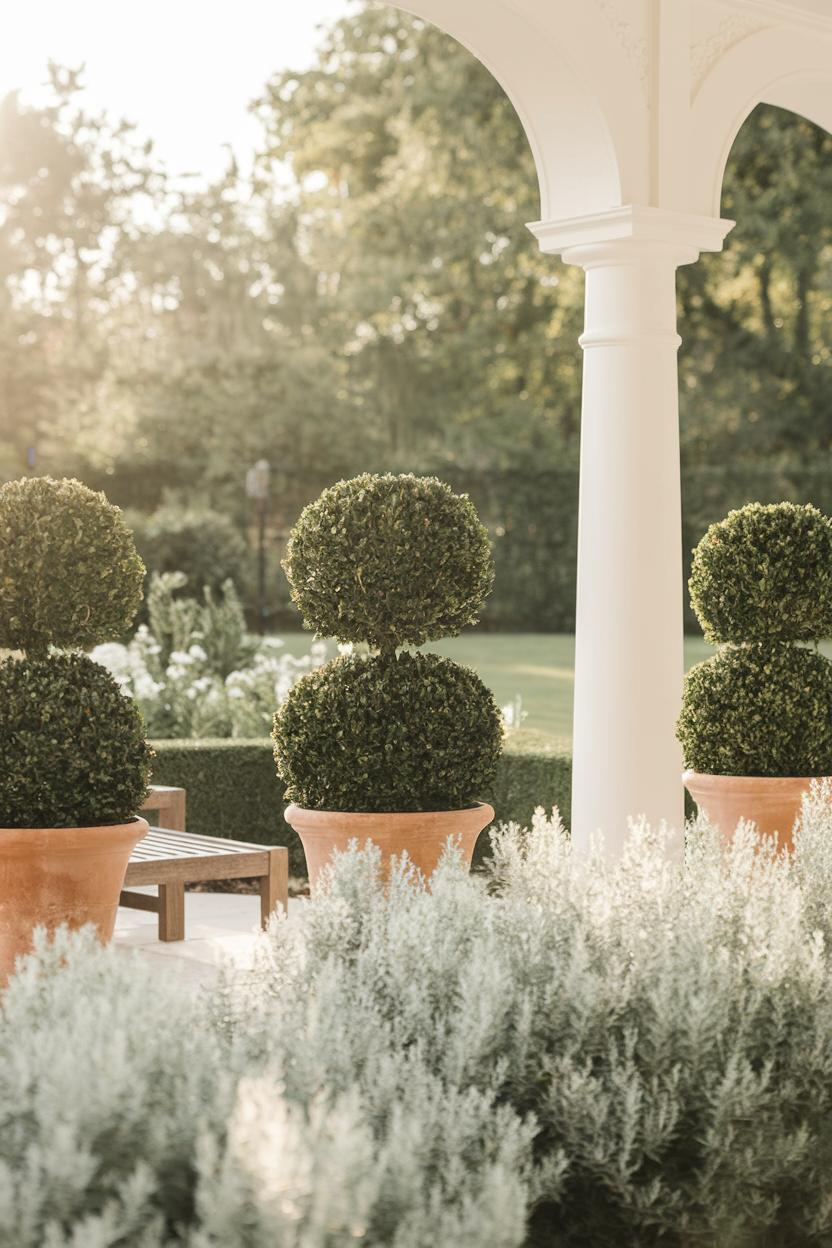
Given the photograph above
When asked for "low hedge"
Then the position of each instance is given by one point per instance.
(233, 790)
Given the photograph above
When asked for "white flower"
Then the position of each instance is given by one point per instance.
(513, 713)
(115, 658)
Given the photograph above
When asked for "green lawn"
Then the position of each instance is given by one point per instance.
(537, 666)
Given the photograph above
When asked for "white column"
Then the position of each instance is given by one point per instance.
(628, 645)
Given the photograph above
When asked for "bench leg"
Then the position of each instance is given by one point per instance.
(274, 887)
(172, 911)
(175, 813)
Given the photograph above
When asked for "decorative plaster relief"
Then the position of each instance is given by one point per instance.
(705, 53)
(635, 46)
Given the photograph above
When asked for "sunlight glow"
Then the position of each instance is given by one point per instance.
(183, 70)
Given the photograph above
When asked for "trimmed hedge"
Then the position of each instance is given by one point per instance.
(71, 576)
(233, 790)
(72, 745)
(383, 732)
(393, 560)
(764, 573)
(758, 710)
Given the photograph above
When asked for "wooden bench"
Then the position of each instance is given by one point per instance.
(170, 858)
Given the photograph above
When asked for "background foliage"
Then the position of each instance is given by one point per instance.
(206, 543)
(385, 311)
(194, 670)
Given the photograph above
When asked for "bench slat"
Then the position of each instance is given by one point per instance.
(158, 848)
(207, 844)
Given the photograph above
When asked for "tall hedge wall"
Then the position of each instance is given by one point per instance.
(233, 790)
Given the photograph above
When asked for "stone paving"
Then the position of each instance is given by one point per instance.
(220, 928)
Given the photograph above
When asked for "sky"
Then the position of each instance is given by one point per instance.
(183, 70)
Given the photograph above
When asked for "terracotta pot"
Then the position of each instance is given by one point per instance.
(772, 802)
(50, 876)
(422, 833)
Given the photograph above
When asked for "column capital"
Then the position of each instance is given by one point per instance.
(622, 234)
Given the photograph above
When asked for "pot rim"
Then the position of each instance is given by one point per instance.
(690, 774)
(387, 814)
(73, 827)
(99, 834)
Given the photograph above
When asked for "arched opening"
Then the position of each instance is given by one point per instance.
(581, 135)
(756, 364)
(785, 68)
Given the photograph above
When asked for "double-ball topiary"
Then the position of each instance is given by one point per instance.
(72, 746)
(762, 706)
(393, 561)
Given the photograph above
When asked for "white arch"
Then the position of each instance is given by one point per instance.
(788, 68)
(574, 150)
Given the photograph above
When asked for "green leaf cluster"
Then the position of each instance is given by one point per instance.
(388, 733)
(72, 746)
(69, 572)
(392, 560)
(763, 709)
(764, 573)
(762, 706)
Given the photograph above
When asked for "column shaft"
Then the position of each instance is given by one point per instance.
(628, 659)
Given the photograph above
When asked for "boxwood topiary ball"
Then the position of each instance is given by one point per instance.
(764, 573)
(73, 752)
(69, 572)
(386, 733)
(759, 710)
(391, 560)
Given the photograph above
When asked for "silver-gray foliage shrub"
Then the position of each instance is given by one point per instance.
(134, 1116)
(567, 1052)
